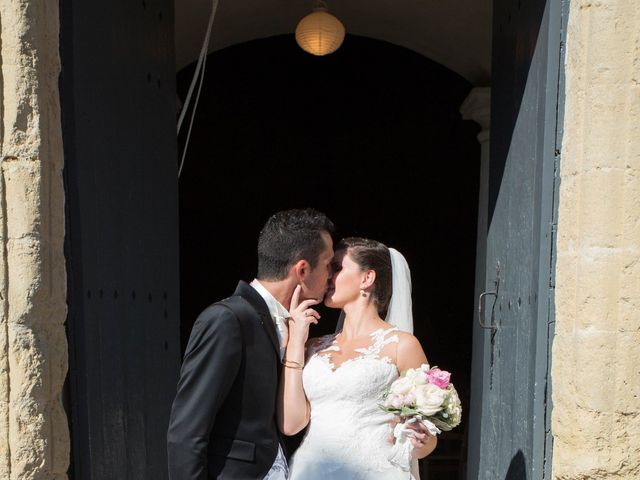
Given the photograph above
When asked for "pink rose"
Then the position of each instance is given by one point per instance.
(439, 378)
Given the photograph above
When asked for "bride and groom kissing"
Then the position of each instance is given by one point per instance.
(250, 374)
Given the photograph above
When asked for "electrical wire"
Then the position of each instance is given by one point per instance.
(198, 77)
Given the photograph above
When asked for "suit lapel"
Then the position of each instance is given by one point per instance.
(247, 292)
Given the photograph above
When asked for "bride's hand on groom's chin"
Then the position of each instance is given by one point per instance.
(302, 316)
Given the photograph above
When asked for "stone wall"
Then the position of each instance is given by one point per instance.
(596, 350)
(34, 439)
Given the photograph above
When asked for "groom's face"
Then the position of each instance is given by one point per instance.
(316, 282)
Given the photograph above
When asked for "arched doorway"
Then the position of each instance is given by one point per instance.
(346, 134)
(122, 207)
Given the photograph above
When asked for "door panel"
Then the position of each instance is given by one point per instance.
(118, 104)
(526, 56)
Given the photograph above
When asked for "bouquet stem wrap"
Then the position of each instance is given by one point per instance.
(401, 453)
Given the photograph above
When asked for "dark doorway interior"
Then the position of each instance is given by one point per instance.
(372, 136)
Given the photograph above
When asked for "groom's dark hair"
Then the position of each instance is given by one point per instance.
(290, 236)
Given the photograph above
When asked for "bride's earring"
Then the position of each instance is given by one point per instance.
(363, 293)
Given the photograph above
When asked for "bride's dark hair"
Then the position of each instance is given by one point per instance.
(372, 255)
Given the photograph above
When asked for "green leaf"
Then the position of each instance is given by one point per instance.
(444, 426)
(409, 412)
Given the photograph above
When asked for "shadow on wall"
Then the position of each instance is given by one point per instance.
(517, 468)
(514, 46)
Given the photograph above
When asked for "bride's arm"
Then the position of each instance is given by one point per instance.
(411, 355)
(293, 406)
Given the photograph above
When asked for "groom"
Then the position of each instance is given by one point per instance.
(222, 421)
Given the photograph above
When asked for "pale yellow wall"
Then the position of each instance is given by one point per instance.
(34, 439)
(596, 350)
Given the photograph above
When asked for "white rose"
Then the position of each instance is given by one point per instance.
(401, 386)
(429, 399)
(416, 376)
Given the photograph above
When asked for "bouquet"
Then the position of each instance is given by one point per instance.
(422, 394)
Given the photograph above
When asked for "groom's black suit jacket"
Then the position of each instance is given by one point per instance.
(223, 417)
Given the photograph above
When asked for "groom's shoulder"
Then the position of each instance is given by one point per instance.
(214, 322)
(235, 307)
(218, 312)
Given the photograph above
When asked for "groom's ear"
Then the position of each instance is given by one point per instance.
(301, 269)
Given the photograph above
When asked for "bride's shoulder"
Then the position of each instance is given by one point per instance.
(407, 340)
(410, 351)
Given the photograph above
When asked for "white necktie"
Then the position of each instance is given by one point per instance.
(283, 332)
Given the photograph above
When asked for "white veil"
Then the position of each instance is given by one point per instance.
(400, 313)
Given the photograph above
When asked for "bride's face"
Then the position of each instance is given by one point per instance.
(344, 285)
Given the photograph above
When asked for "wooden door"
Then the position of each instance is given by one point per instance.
(513, 408)
(118, 105)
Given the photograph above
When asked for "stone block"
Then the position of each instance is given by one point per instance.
(626, 395)
(27, 363)
(60, 439)
(25, 272)
(631, 205)
(565, 294)
(5, 448)
(600, 446)
(594, 374)
(29, 438)
(600, 220)
(598, 289)
(22, 198)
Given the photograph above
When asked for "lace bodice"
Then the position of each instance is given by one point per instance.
(348, 433)
(323, 347)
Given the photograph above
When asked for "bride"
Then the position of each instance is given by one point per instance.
(335, 383)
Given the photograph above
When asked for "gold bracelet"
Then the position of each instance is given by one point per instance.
(295, 365)
(285, 360)
(291, 366)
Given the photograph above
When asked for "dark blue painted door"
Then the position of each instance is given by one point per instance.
(118, 104)
(517, 316)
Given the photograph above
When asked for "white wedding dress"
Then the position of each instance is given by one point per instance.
(348, 437)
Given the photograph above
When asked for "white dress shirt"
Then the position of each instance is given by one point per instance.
(279, 470)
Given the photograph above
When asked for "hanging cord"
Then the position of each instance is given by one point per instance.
(198, 76)
(193, 115)
(201, 59)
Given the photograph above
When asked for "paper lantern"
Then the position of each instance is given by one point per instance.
(320, 33)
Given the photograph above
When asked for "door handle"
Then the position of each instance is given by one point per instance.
(481, 310)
